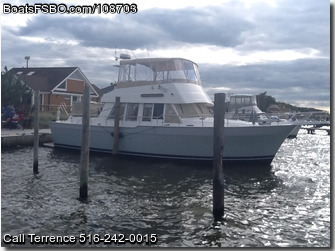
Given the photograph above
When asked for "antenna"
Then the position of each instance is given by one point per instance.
(116, 58)
(27, 58)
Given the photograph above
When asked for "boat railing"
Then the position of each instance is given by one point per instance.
(316, 118)
(321, 116)
(165, 120)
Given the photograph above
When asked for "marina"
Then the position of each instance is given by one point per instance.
(185, 124)
(182, 195)
(162, 202)
(286, 204)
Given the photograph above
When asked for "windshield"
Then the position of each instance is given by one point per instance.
(159, 71)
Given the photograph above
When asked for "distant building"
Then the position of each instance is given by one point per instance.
(57, 85)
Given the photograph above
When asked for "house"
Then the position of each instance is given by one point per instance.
(58, 86)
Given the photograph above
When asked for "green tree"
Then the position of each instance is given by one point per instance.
(264, 101)
(13, 91)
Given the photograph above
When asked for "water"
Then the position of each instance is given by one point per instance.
(284, 205)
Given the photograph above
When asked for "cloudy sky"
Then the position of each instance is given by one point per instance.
(281, 47)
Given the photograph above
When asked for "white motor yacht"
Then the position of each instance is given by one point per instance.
(166, 113)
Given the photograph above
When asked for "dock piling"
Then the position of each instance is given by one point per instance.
(85, 146)
(58, 114)
(116, 125)
(36, 129)
(218, 145)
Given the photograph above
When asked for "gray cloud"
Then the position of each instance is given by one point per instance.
(148, 29)
(294, 25)
(290, 82)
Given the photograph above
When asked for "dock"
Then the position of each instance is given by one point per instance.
(19, 137)
(311, 130)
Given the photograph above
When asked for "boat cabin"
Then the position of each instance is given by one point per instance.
(158, 90)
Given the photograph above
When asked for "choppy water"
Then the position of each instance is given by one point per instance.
(284, 205)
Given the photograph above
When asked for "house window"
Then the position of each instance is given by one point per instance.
(76, 99)
(19, 72)
(30, 73)
(62, 86)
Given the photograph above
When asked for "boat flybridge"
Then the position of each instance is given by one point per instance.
(166, 113)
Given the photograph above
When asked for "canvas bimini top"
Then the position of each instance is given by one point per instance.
(149, 71)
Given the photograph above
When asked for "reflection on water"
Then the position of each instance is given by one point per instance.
(284, 205)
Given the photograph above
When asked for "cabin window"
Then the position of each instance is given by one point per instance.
(187, 111)
(203, 110)
(136, 72)
(247, 101)
(142, 73)
(147, 112)
(171, 115)
(132, 111)
(124, 72)
(112, 113)
(161, 70)
(191, 72)
(158, 111)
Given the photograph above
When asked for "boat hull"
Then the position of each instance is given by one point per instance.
(254, 144)
(294, 132)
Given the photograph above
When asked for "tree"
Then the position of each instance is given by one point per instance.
(13, 91)
(264, 101)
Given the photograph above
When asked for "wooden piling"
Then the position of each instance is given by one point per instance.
(36, 129)
(218, 145)
(58, 114)
(116, 125)
(85, 146)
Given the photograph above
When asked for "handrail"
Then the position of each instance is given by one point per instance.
(63, 106)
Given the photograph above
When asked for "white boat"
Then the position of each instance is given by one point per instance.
(244, 107)
(166, 113)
